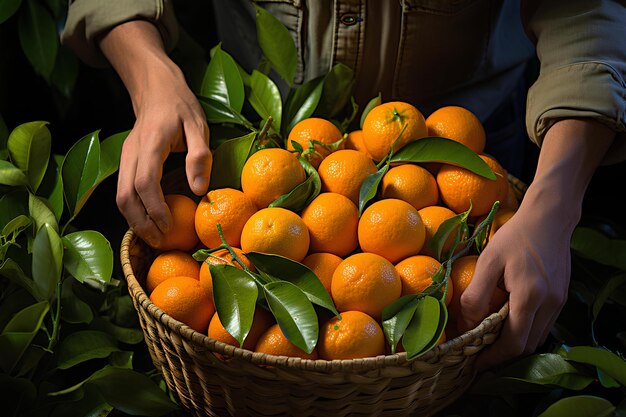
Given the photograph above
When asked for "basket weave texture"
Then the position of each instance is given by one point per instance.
(211, 378)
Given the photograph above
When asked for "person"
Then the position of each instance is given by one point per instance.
(430, 53)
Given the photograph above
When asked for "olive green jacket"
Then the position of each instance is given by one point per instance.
(428, 52)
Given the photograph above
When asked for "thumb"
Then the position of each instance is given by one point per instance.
(475, 300)
(199, 159)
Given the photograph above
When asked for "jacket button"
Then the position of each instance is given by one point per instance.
(350, 19)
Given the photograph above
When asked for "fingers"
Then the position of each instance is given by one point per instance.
(199, 157)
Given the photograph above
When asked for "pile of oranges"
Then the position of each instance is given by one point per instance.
(365, 259)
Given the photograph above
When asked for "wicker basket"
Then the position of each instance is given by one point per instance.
(215, 379)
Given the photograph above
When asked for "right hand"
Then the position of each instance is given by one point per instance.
(169, 118)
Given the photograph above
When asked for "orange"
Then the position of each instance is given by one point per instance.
(354, 140)
(228, 207)
(461, 276)
(332, 220)
(458, 186)
(183, 299)
(433, 216)
(391, 228)
(221, 256)
(354, 335)
(318, 129)
(502, 216)
(323, 265)
(260, 323)
(274, 342)
(410, 183)
(270, 173)
(511, 200)
(277, 231)
(365, 282)
(344, 171)
(170, 264)
(384, 123)
(182, 232)
(459, 124)
(417, 272)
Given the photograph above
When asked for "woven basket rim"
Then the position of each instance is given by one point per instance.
(460, 342)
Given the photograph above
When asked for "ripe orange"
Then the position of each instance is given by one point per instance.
(262, 321)
(318, 129)
(173, 263)
(459, 124)
(221, 256)
(277, 231)
(365, 282)
(344, 171)
(391, 228)
(410, 183)
(228, 207)
(182, 232)
(417, 272)
(511, 201)
(270, 173)
(460, 277)
(354, 140)
(502, 216)
(458, 186)
(354, 335)
(384, 123)
(183, 299)
(274, 342)
(433, 216)
(323, 264)
(332, 220)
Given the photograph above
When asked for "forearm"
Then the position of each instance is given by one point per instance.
(570, 154)
(136, 52)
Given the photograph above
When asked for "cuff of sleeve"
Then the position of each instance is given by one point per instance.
(86, 21)
(584, 90)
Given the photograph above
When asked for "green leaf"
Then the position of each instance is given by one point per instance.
(369, 188)
(303, 193)
(580, 406)
(81, 346)
(73, 309)
(29, 148)
(436, 149)
(110, 152)
(13, 272)
(229, 159)
(605, 292)
(235, 294)
(129, 335)
(446, 228)
(396, 318)
(38, 37)
(265, 98)
(294, 313)
(19, 332)
(376, 101)
(65, 71)
(80, 171)
(47, 261)
(222, 81)
(295, 273)
(423, 327)
(41, 213)
(51, 188)
(277, 44)
(603, 359)
(88, 256)
(8, 9)
(217, 112)
(302, 103)
(11, 175)
(338, 85)
(16, 226)
(591, 244)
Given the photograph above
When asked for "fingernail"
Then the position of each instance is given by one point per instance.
(199, 184)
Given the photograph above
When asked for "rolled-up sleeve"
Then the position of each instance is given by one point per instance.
(581, 45)
(88, 19)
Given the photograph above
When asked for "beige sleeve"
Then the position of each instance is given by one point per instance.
(582, 50)
(87, 19)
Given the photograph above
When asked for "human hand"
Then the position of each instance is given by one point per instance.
(168, 119)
